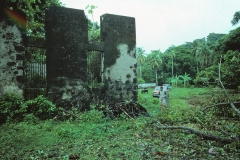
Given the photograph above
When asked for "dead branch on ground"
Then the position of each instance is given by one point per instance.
(198, 133)
(218, 104)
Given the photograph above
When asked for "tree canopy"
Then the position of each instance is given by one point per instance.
(34, 11)
(236, 18)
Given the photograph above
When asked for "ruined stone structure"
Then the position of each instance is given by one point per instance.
(67, 47)
(120, 65)
(66, 36)
(11, 52)
(66, 58)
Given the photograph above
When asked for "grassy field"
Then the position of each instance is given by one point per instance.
(92, 137)
(178, 97)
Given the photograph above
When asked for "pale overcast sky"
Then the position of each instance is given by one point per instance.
(162, 23)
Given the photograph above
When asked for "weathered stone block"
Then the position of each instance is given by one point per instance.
(70, 92)
(10, 46)
(66, 40)
(68, 29)
(119, 37)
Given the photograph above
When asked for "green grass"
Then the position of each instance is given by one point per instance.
(92, 137)
(178, 98)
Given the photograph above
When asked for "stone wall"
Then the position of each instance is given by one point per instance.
(66, 37)
(120, 65)
(11, 55)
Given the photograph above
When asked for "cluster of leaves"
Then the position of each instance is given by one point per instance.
(236, 18)
(222, 109)
(35, 13)
(14, 108)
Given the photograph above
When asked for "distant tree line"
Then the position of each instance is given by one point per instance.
(195, 63)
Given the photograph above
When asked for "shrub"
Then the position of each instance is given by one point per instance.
(14, 108)
(11, 107)
(41, 107)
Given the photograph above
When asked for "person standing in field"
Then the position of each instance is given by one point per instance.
(163, 98)
(161, 94)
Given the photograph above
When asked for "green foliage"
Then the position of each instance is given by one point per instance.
(90, 8)
(94, 31)
(140, 59)
(236, 18)
(229, 42)
(94, 68)
(35, 13)
(212, 39)
(140, 81)
(11, 107)
(199, 59)
(230, 69)
(148, 73)
(224, 110)
(186, 79)
(14, 108)
(175, 81)
(90, 136)
(31, 119)
(41, 107)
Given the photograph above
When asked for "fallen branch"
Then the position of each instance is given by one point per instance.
(131, 109)
(218, 104)
(199, 133)
(126, 113)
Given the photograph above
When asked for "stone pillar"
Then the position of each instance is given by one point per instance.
(66, 37)
(120, 66)
(12, 31)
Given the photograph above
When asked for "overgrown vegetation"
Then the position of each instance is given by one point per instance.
(14, 108)
(88, 135)
(199, 124)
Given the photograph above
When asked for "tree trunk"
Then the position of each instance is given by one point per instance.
(140, 68)
(172, 66)
(156, 79)
(197, 66)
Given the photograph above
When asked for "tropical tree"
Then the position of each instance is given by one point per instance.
(177, 80)
(90, 9)
(155, 62)
(172, 80)
(184, 61)
(236, 18)
(172, 54)
(140, 59)
(35, 13)
(186, 79)
(227, 46)
(204, 55)
(196, 52)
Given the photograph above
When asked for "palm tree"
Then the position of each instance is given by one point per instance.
(196, 52)
(185, 78)
(206, 54)
(155, 62)
(140, 59)
(172, 80)
(172, 55)
(90, 11)
(177, 80)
